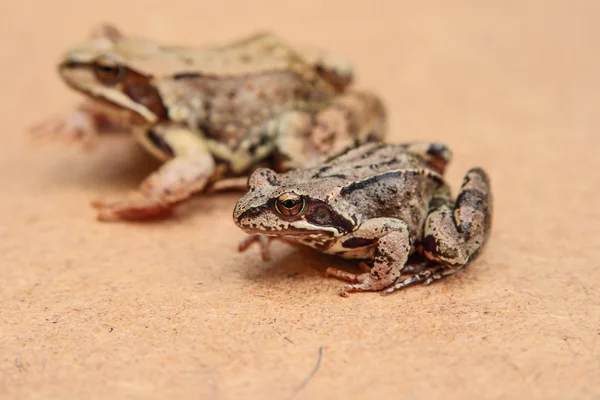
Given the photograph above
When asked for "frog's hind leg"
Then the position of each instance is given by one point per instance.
(455, 234)
(351, 119)
(187, 172)
(336, 70)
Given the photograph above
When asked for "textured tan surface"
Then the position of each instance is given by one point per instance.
(170, 309)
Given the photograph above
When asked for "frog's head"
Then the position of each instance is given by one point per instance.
(276, 206)
(102, 69)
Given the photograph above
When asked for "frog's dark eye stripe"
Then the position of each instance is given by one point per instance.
(289, 204)
(108, 71)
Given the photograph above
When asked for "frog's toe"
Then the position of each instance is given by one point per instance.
(341, 274)
(366, 282)
(427, 276)
(77, 127)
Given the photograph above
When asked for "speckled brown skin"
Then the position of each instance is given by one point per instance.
(212, 114)
(382, 204)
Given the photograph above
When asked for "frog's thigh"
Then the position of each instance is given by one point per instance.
(351, 119)
(186, 173)
(392, 251)
(453, 236)
(335, 70)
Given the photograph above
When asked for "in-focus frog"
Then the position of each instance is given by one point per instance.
(214, 113)
(386, 205)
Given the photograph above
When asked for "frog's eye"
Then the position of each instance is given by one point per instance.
(108, 71)
(289, 204)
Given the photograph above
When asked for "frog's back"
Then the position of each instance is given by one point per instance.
(371, 160)
(228, 91)
(384, 180)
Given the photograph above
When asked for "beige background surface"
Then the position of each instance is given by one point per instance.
(170, 309)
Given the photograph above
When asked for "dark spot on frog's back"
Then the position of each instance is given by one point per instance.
(388, 175)
(339, 176)
(321, 171)
(367, 182)
(375, 148)
(187, 75)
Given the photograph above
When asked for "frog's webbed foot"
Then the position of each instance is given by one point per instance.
(428, 275)
(263, 241)
(176, 181)
(364, 281)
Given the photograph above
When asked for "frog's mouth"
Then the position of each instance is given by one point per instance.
(260, 220)
(289, 232)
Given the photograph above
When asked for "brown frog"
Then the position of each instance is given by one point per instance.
(212, 114)
(384, 204)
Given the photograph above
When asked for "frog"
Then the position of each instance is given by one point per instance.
(212, 113)
(384, 207)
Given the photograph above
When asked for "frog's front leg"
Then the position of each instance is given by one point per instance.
(187, 172)
(350, 119)
(392, 241)
(263, 241)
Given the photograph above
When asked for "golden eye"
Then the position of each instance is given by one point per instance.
(289, 204)
(108, 71)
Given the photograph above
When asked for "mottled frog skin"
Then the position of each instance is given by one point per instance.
(212, 114)
(386, 205)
